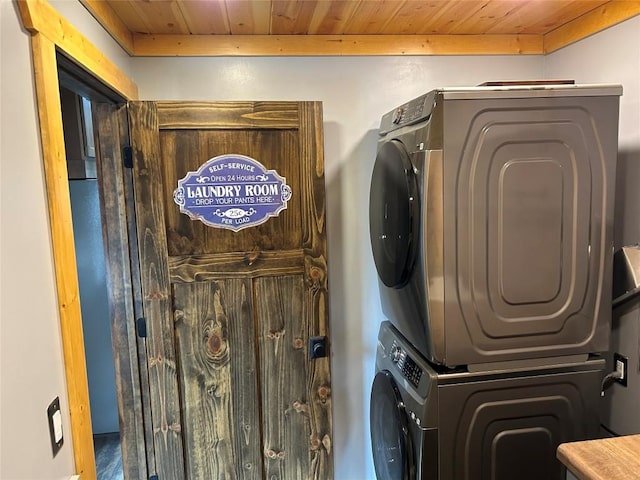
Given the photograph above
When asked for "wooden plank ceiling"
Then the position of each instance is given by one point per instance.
(354, 27)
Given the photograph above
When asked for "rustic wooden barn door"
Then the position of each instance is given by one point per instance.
(230, 311)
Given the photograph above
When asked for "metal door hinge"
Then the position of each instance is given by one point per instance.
(127, 156)
(141, 325)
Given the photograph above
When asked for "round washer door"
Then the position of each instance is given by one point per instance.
(393, 214)
(390, 440)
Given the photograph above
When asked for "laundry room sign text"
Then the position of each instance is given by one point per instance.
(233, 192)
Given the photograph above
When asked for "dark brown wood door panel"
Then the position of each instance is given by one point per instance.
(233, 391)
(183, 151)
(215, 337)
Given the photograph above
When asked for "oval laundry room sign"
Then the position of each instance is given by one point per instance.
(232, 191)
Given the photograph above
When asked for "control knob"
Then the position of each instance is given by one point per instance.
(396, 353)
(397, 116)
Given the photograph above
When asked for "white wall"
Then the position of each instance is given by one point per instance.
(613, 56)
(30, 347)
(31, 359)
(355, 93)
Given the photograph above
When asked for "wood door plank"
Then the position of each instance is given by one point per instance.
(217, 371)
(312, 183)
(316, 303)
(198, 268)
(155, 288)
(227, 115)
(138, 307)
(112, 200)
(283, 376)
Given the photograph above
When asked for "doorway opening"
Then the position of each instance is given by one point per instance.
(106, 268)
(92, 279)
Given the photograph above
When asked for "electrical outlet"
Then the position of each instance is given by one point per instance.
(620, 365)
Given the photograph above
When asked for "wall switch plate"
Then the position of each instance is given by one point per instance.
(55, 426)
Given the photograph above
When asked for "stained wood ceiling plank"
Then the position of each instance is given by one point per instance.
(130, 16)
(176, 9)
(455, 14)
(205, 17)
(414, 17)
(595, 21)
(111, 22)
(291, 17)
(543, 17)
(321, 45)
(502, 17)
(442, 19)
(160, 17)
(523, 16)
(249, 17)
(331, 18)
(372, 17)
(492, 16)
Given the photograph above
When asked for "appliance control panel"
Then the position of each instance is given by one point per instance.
(405, 364)
(407, 113)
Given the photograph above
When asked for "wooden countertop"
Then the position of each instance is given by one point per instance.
(604, 459)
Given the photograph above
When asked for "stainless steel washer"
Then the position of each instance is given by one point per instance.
(428, 424)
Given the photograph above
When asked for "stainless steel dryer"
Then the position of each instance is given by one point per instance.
(429, 425)
(491, 213)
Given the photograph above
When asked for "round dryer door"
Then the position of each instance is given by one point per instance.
(390, 440)
(393, 214)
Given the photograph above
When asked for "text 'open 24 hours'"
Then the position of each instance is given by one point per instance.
(232, 191)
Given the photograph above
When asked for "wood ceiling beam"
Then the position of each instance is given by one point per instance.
(334, 45)
(595, 21)
(607, 15)
(106, 17)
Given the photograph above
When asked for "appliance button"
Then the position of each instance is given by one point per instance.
(397, 116)
(396, 353)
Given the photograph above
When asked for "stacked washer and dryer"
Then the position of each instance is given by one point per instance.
(491, 215)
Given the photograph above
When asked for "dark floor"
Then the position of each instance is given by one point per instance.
(108, 456)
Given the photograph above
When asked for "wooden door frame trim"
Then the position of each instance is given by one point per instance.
(51, 32)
